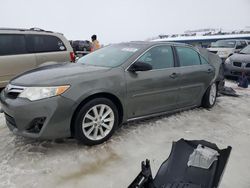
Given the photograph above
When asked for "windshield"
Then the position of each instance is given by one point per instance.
(223, 44)
(110, 56)
(245, 50)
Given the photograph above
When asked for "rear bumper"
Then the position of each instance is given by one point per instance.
(21, 116)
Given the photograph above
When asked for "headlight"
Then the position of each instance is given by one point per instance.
(223, 53)
(37, 93)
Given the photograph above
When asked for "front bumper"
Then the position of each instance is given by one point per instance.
(20, 115)
(234, 71)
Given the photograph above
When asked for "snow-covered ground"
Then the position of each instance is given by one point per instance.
(29, 163)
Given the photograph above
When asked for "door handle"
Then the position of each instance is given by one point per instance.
(173, 75)
(209, 71)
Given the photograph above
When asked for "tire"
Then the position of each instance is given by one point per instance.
(210, 96)
(91, 127)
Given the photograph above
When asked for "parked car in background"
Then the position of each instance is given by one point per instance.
(225, 48)
(238, 63)
(81, 47)
(115, 84)
(25, 49)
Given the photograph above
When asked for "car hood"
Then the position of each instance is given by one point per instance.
(57, 74)
(221, 49)
(240, 58)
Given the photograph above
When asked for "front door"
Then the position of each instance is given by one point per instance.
(155, 90)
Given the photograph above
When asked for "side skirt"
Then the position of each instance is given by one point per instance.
(161, 113)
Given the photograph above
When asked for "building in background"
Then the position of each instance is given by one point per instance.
(204, 37)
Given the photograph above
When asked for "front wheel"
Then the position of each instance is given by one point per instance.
(209, 98)
(96, 121)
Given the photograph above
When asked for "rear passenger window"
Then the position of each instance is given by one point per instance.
(44, 43)
(159, 57)
(187, 56)
(203, 60)
(12, 44)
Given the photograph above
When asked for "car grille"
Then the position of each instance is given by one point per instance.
(36, 125)
(237, 64)
(236, 73)
(10, 120)
(12, 91)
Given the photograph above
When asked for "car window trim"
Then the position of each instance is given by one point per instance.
(169, 45)
(201, 56)
(176, 57)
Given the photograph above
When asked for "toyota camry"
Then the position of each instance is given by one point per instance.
(90, 99)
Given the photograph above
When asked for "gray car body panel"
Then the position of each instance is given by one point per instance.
(215, 61)
(136, 91)
(57, 110)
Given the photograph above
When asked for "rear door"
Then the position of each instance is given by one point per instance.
(48, 48)
(14, 57)
(195, 76)
(155, 90)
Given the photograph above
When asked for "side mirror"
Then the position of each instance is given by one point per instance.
(140, 66)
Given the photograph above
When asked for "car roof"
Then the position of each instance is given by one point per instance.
(153, 43)
(26, 31)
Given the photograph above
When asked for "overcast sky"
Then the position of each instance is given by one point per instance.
(124, 20)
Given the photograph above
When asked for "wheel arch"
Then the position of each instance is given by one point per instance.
(117, 102)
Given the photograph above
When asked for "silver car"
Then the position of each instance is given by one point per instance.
(238, 63)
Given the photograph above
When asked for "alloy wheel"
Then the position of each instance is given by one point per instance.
(212, 94)
(98, 122)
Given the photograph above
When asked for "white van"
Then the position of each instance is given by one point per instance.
(225, 48)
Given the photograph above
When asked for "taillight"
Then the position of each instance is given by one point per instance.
(72, 57)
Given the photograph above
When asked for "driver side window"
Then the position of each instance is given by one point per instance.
(159, 57)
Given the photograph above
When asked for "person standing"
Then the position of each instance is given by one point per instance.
(95, 43)
(243, 81)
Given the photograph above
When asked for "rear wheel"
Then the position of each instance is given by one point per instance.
(96, 121)
(210, 96)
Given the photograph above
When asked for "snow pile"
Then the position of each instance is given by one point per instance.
(29, 163)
